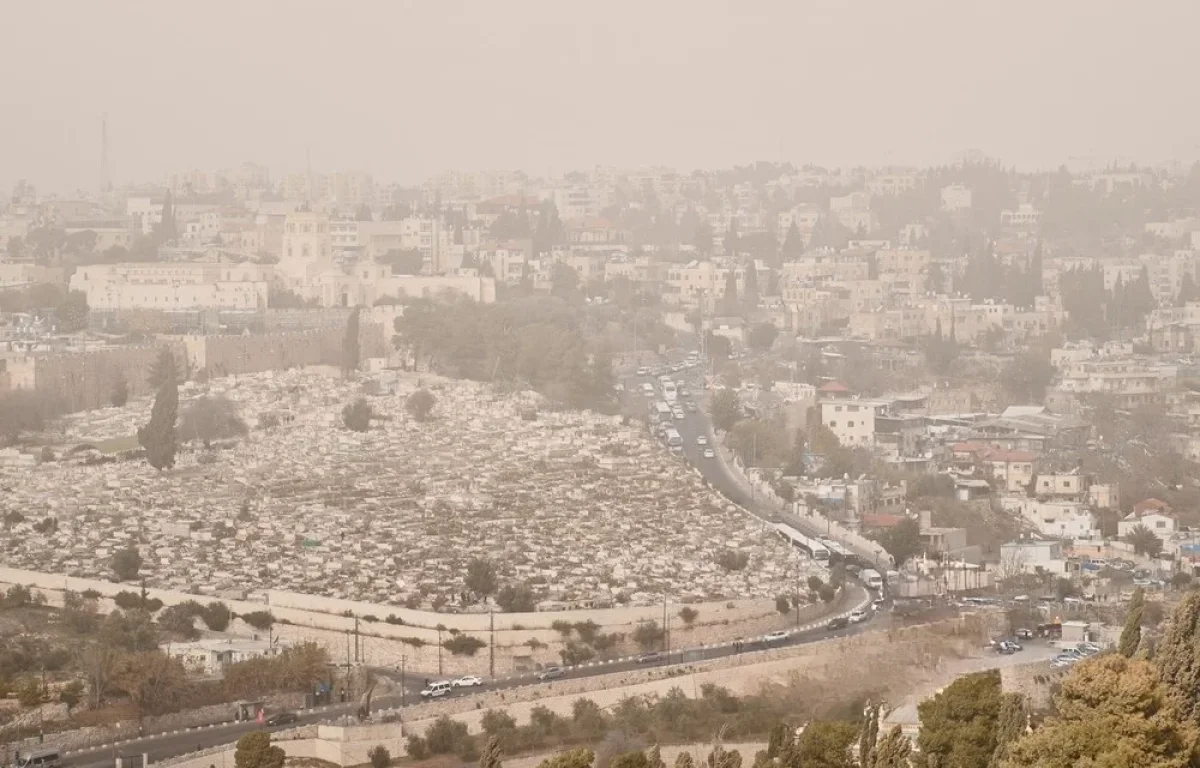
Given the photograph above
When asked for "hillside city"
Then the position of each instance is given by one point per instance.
(408, 386)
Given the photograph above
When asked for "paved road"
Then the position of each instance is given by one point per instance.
(163, 746)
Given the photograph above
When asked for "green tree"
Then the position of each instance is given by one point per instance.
(826, 744)
(120, 392)
(1177, 660)
(490, 757)
(1131, 635)
(1026, 377)
(751, 286)
(420, 404)
(958, 725)
(581, 757)
(71, 694)
(480, 579)
(351, 346)
(762, 336)
(516, 598)
(30, 693)
(892, 751)
(380, 757)
(357, 415)
(868, 736)
(163, 369)
(126, 563)
(729, 300)
(1014, 720)
(254, 750)
(654, 758)
(720, 757)
(684, 760)
(688, 615)
(795, 463)
(726, 409)
(158, 436)
(211, 418)
(632, 759)
(73, 312)
(1143, 541)
(217, 616)
(1110, 711)
(902, 541)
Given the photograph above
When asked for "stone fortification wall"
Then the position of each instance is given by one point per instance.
(252, 353)
(85, 380)
(415, 643)
(1034, 681)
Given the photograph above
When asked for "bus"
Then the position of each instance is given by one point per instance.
(670, 391)
(674, 439)
(662, 411)
(813, 547)
(44, 758)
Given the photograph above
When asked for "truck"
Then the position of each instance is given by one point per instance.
(871, 578)
(670, 391)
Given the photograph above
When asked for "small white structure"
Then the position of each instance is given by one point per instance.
(210, 657)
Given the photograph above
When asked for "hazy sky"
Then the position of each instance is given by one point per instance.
(406, 89)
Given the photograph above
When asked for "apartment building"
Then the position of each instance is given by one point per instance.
(853, 421)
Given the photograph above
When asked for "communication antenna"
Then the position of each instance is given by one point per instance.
(105, 179)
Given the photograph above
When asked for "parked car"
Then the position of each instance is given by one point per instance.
(643, 371)
(701, 440)
(550, 673)
(858, 617)
(839, 623)
(878, 604)
(775, 637)
(649, 658)
(470, 681)
(1025, 634)
(282, 718)
(708, 453)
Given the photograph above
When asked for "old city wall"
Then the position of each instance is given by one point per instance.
(415, 643)
(85, 380)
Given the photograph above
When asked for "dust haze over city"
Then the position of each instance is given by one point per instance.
(572, 385)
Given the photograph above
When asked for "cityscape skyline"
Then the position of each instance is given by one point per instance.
(707, 89)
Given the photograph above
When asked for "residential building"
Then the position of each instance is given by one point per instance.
(1153, 514)
(211, 656)
(956, 197)
(853, 421)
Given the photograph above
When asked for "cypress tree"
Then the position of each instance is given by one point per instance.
(491, 754)
(893, 751)
(350, 344)
(1176, 657)
(1011, 726)
(868, 737)
(1131, 635)
(158, 436)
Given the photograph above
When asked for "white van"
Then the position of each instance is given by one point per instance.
(437, 690)
(45, 758)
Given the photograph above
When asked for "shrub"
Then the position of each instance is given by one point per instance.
(648, 635)
(259, 619)
(564, 628)
(463, 645)
(394, 619)
(688, 614)
(733, 560)
(418, 748)
(782, 603)
(357, 415)
(216, 616)
(379, 756)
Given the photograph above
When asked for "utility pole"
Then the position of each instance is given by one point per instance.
(492, 644)
(357, 648)
(403, 669)
(666, 629)
(439, 631)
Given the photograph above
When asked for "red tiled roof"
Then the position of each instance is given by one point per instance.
(881, 520)
(833, 386)
(1150, 506)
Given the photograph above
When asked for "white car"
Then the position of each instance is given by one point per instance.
(775, 637)
(701, 440)
(643, 371)
(470, 681)
(677, 414)
(858, 617)
(437, 690)
(708, 453)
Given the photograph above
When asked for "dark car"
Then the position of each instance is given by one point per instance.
(649, 658)
(282, 718)
(550, 673)
(840, 622)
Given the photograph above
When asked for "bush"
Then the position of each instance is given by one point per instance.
(418, 749)
(127, 601)
(259, 619)
(564, 628)
(689, 615)
(379, 756)
(648, 635)
(420, 404)
(733, 560)
(216, 616)
(782, 603)
(827, 594)
(463, 645)
(448, 737)
(357, 415)
(575, 653)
